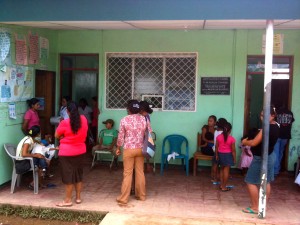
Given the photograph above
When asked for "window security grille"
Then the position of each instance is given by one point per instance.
(156, 101)
(167, 79)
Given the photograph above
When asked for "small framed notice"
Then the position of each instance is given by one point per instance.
(215, 85)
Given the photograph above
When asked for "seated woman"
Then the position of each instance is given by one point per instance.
(25, 147)
(207, 136)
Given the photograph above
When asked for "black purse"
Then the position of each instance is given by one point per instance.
(22, 166)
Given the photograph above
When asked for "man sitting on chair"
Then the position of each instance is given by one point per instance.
(107, 140)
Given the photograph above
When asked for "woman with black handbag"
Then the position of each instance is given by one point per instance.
(24, 149)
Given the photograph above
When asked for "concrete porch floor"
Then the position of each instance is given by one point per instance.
(172, 198)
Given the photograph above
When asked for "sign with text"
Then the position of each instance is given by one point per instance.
(215, 85)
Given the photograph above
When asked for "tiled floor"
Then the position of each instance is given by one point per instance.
(172, 194)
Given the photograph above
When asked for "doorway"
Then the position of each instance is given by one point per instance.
(281, 86)
(79, 76)
(44, 86)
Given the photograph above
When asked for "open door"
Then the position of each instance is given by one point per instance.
(45, 91)
(280, 94)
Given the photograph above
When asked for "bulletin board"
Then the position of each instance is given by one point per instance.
(16, 83)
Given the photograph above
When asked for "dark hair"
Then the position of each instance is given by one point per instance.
(213, 117)
(133, 106)
(221, 123)
(31, 102)
(95, 98)
(34, 131)
(67, 97)
(273, 110)
(226, 130)
(74, 116)
(144, 106)
(251, 134)
(83, 100)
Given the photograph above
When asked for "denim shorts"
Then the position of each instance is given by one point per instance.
(253, 173)
(214, 160)
(226, 159)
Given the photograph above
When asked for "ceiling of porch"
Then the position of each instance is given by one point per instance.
(185, 25)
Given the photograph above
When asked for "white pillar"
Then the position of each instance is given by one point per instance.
(266, 124)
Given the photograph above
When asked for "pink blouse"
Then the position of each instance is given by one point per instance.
(32, 117)
(131, 131)
(225, 147)
(72, 144)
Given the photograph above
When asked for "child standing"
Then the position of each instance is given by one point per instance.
(246, 156)
(226, 154)
(215, 162)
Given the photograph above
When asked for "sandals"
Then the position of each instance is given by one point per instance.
(249, 210)
(64, 204)
(225, 190)
(78, 201)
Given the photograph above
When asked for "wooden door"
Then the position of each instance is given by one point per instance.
(45, 89)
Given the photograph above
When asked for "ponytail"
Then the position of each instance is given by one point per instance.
(75, 120)
(226, 130)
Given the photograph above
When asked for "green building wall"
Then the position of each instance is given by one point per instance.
(10, 129)
(220, 53)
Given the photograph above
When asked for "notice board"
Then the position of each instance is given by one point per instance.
(215, 85)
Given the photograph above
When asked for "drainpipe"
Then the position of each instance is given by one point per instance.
(266, 120)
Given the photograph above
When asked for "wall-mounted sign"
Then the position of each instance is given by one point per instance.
(215, 85)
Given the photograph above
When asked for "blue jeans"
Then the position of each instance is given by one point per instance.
(40, 163)
(279, 150)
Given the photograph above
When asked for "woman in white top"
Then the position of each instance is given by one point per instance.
(24, 149)
(85, 110)
(63, 109)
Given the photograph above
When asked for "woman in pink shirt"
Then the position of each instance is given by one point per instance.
(131, 137)
(225, 153)
(72, 134)
(31, 117)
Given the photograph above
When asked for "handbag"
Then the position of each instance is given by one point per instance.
(22, 166)
(149, 145)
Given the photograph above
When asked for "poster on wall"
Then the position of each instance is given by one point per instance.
(21, 51)
(44, 48)
(16, 84)
(33, 48)
(277, 44)
(4, 49)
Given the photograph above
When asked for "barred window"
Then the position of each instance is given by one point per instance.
(166, 80)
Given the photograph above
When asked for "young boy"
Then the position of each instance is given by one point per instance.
(108, 140)
(45, 149)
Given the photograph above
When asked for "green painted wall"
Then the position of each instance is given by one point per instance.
(220, 53)
(11, 129)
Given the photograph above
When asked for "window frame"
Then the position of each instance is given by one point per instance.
(163, 55)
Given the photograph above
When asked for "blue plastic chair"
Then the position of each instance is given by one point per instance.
(176, 143)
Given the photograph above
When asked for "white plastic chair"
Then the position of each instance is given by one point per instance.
(98, 153)
(16, 178)
(104, 152)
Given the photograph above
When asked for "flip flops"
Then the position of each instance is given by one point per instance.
(64, 204)
(78, 201)
(249, 210)
(225, 190)
(51, 185)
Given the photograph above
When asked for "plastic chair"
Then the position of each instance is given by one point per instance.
(152, 160)
(176, 142)
(16, 178)
(104, 152)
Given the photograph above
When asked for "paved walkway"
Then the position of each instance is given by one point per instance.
(171, 199)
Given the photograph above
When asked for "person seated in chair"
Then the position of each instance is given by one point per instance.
(107, 140)
(24, 149)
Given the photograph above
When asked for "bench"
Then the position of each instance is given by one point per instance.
(199, 156)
